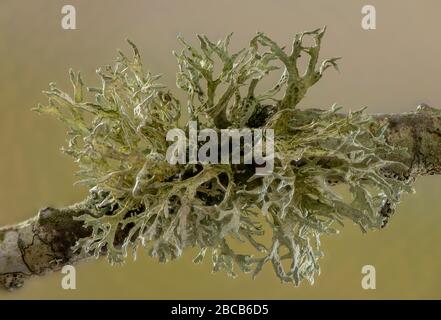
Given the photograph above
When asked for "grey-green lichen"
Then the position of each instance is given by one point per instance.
(119, 143)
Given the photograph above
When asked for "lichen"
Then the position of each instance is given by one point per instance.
(119, 143)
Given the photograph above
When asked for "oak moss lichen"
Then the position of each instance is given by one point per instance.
(119, 143)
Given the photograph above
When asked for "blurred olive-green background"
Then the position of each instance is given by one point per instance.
(390, 69)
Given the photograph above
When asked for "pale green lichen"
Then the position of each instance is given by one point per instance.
(119, 143)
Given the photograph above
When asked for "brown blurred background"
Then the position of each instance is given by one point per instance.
(390, 69)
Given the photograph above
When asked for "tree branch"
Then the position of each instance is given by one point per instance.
(44, 243)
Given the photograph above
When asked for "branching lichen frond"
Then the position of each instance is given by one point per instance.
(119, 143)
